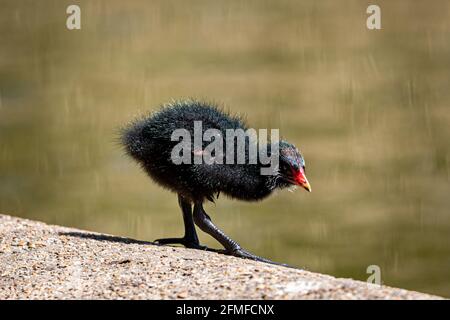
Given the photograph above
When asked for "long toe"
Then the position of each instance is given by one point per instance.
(188, 243)
(170, 241)
(241, 253)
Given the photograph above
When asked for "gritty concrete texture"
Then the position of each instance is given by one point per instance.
(40, 261)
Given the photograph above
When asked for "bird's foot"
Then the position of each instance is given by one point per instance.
(188, 243)
(241, 253)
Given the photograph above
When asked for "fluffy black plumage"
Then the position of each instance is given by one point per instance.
(148, 141)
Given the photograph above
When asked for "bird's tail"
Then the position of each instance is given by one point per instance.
(132, 140)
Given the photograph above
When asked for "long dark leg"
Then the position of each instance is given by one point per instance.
(203, 221)
(190, 239)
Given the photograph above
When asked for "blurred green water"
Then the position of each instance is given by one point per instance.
(369, 110)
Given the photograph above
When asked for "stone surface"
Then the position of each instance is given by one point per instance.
(40, 261)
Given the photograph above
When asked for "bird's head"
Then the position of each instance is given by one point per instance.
(292, 166)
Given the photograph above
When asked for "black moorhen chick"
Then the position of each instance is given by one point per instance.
(149, 142)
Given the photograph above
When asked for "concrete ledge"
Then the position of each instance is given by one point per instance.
(40, 261)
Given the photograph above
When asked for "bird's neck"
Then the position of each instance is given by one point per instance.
(272, 182)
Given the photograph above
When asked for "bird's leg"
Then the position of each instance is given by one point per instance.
(190, 239)
(203, 221)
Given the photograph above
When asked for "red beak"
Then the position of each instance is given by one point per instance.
(300, 179)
